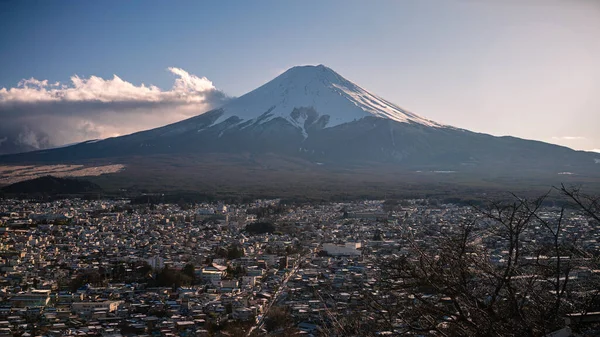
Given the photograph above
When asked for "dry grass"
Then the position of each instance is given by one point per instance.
(10, 174)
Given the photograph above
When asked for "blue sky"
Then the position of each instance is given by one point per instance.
(524, 68)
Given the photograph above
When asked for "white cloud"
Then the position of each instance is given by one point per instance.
(188, 88)
(40, 114)
(568, 138)
(595, 150)
(187, 83)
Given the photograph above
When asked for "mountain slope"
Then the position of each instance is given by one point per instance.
(52, 186)
(314, 114)
(326, 95)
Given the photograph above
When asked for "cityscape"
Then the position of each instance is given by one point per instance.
(313, 168)
(112, 268)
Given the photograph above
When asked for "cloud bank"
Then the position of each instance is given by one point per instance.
(38, 114)
(568, 138)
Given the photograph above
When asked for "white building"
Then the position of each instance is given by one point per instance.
(156, 262)
(349, 249)
(212, 275)
(229, 284)
(90, 307)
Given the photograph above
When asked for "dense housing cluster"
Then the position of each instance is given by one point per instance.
(110, 268)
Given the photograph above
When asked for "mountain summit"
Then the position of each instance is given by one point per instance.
(321, 92)
(314, 116)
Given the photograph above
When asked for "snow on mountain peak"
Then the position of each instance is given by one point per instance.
(319, 89)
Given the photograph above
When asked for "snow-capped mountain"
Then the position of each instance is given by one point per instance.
(304, 98)
(314, 114)
(318, 88)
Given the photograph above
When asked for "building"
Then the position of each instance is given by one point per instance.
(212, 274)
(90, 307)
(249, 280)
(35, 298)
(244, 314)
(349, 249)
(156, 262)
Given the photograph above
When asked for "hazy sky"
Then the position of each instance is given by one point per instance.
(525, 68)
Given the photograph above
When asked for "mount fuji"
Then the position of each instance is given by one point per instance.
(313, 117)
(317, 89)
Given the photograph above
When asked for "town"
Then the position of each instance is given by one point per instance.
(112, 268)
